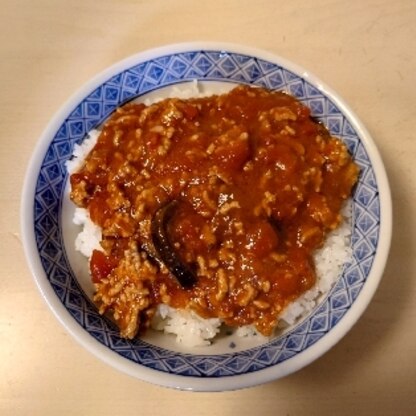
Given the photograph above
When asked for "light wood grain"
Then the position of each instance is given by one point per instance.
(364, 49)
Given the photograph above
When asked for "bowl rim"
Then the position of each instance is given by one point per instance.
(191, 382)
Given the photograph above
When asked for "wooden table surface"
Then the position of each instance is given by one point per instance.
(365, 50)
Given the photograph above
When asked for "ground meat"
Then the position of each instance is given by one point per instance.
(257, 185)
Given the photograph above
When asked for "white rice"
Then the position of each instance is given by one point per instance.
(89, 238)
(190, 329)
(81, 151)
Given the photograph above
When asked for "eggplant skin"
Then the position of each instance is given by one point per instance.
(164, 248)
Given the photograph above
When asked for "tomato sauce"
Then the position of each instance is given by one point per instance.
(257, 185)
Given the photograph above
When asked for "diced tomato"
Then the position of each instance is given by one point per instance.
(233, 155)
(76, 178)
(188, 231)
(100, 266)
(261, 239)
(99, 210)
(282, 157)
(190, 111)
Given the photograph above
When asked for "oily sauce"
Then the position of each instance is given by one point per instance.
(257, 185)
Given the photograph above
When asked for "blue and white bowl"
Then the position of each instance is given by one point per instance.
(62, 274)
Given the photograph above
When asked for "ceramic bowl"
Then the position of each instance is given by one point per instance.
(62, 274)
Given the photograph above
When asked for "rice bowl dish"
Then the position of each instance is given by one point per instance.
(313, 324)
(191, 329)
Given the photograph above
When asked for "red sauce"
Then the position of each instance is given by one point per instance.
(259, 184)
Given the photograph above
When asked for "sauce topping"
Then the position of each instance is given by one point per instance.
(211, 204)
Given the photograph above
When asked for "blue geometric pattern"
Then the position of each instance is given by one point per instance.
(177, 68)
